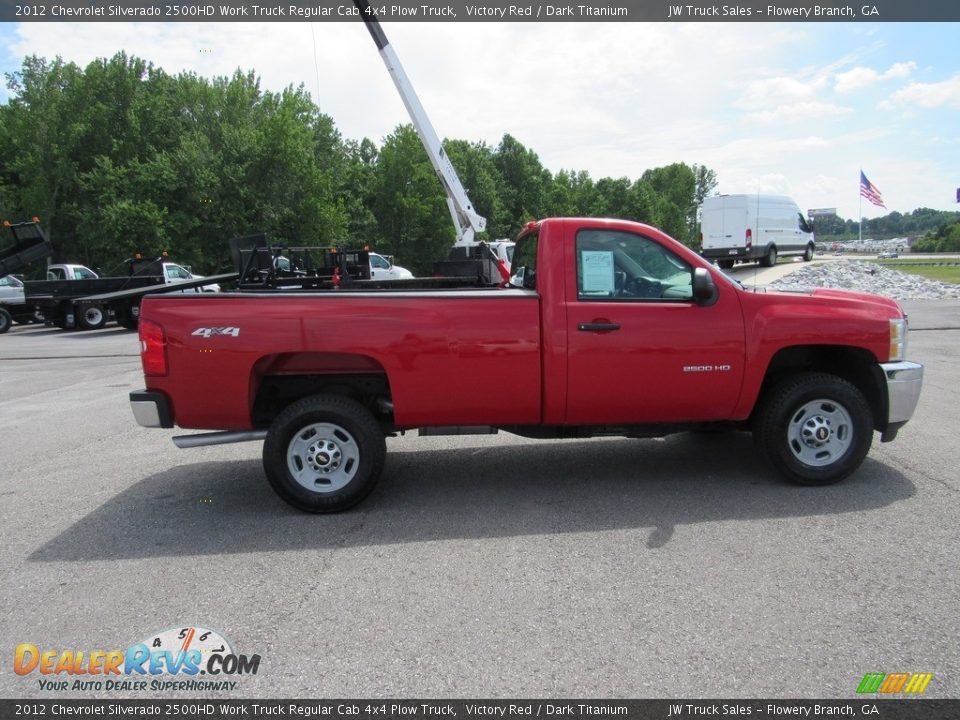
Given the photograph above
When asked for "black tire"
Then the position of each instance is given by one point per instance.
(814, 428)
(770, 259)
(724, 264)
(808, 253)
(128, 317)
(5, 320)
(91, 317)
(333, 445)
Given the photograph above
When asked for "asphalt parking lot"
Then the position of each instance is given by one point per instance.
(480, 567)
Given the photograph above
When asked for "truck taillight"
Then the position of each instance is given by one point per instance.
(749, 238)
(153, 349)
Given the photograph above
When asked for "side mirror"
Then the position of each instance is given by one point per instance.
(705, 291)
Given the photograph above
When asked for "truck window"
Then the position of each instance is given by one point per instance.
(622, 266)
(802, 223)
(524, 266)
(82, 273)
(175, 272)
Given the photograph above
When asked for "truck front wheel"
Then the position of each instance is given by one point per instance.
(815, 428)
(6, 320)
(324, 453)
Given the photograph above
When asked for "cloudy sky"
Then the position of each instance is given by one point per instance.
(793, 108)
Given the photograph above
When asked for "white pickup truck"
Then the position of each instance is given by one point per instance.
(172, 273)
(382, 268)
(12, 305)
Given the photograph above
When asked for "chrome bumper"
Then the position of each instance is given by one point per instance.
(904, 380)
(151, 409)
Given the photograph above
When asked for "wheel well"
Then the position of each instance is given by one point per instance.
(855, 365)
(275, 392)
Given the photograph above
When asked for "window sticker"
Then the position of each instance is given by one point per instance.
(597, 272)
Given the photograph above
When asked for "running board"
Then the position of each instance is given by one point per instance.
(457, 430)
(218, 438)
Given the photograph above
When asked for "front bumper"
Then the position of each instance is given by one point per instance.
(903, 380)
(151, 409)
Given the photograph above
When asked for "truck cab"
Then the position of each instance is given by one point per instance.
(382, 268)
(68, 271)
(173, 273)
(503, 250)
(12, 303)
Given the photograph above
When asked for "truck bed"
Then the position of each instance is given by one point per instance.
(30, 245)
(447, 362)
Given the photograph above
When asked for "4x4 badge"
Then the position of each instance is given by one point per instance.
(209, 332)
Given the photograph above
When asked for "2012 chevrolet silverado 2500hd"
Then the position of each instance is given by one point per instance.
(607, 327)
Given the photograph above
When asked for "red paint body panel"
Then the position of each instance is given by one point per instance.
(505, 356)
(636, 374)
(777, 320)
(450, 360)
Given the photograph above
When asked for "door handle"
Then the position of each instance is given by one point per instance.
(598, 327)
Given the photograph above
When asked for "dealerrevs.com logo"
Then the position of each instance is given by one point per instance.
(183, 658)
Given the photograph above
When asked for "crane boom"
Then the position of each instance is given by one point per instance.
(466, 220)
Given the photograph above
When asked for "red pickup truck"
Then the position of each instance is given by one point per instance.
(607, 327)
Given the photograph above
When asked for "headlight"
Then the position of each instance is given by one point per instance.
(898, 339)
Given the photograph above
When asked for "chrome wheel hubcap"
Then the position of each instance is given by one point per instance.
(323, 457)
(820, 432)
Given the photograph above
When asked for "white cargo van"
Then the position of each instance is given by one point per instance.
(739, 228)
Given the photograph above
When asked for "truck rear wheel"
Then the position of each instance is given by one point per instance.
(770, 259)
(324, 453)
(815, 428)
(128, 316)
(725, 264)
(5, 320)
(92, 317)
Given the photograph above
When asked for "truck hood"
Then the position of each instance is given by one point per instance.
(839, 297)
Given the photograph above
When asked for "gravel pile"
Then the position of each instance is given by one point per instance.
(867, 277)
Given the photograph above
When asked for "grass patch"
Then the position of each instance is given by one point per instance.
(943, 273)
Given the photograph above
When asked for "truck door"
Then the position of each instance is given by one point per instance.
(379, 267)
(641, 349)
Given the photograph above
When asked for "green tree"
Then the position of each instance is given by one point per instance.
(524, 183)
(409, 203)
(676, 208)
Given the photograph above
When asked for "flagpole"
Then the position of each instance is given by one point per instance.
(860, 211)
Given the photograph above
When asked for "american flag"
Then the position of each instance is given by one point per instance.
(870, 192)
